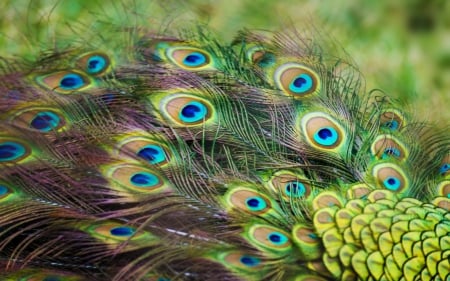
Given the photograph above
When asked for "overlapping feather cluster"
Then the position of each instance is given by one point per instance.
(179, 157)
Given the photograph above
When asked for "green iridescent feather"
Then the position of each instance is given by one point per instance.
(164, 153)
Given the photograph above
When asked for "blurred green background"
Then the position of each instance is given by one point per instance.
(402, 47)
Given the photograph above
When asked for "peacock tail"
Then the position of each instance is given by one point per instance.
(154, 154)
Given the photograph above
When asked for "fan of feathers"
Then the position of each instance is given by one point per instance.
(158, 151)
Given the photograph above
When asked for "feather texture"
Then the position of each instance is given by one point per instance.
(180, 157)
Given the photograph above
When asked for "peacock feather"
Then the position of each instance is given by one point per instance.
(163, 152)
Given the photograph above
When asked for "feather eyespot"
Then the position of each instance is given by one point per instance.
(386, 146)
(43, 120)
(297, 80)
(250, 261)
(152, 153)
(289, 185)
(322, 131)
(144, 180)
(95, 63)
(326, 136)
(193, 112)
(189, 58)
(122, 231)
(65, 82)
(240, 260)
(444, 168)
(391, 125)
(390, 177)
(249, 201)
(392, 120)
(136, 178)
(12, 151)
(145, 149)
(4, 192)
(113, 232)
(266, 60)
(255, 203)
(194, 59)
(295, 189)
(392, 183)
(259, 56)
(391, 151)
(270, 238)
(187, 110)
(277, 238)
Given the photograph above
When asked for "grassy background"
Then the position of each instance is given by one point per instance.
(402, 47)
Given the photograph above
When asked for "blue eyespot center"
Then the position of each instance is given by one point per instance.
(122, 231)
(277, 238)
(295, 189)
(256, 203)
(392, 125)
(96, 64)
(267, 59)
(45, 121)
(250, 261)
(444, 168)
(144, 180)
(391, 151)
(154, 154)
(194, 59)
(392, 183)
(3, 190)
(326, 136)
(10, 151)
(71, 81)
(301, 84)
(193, 112)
